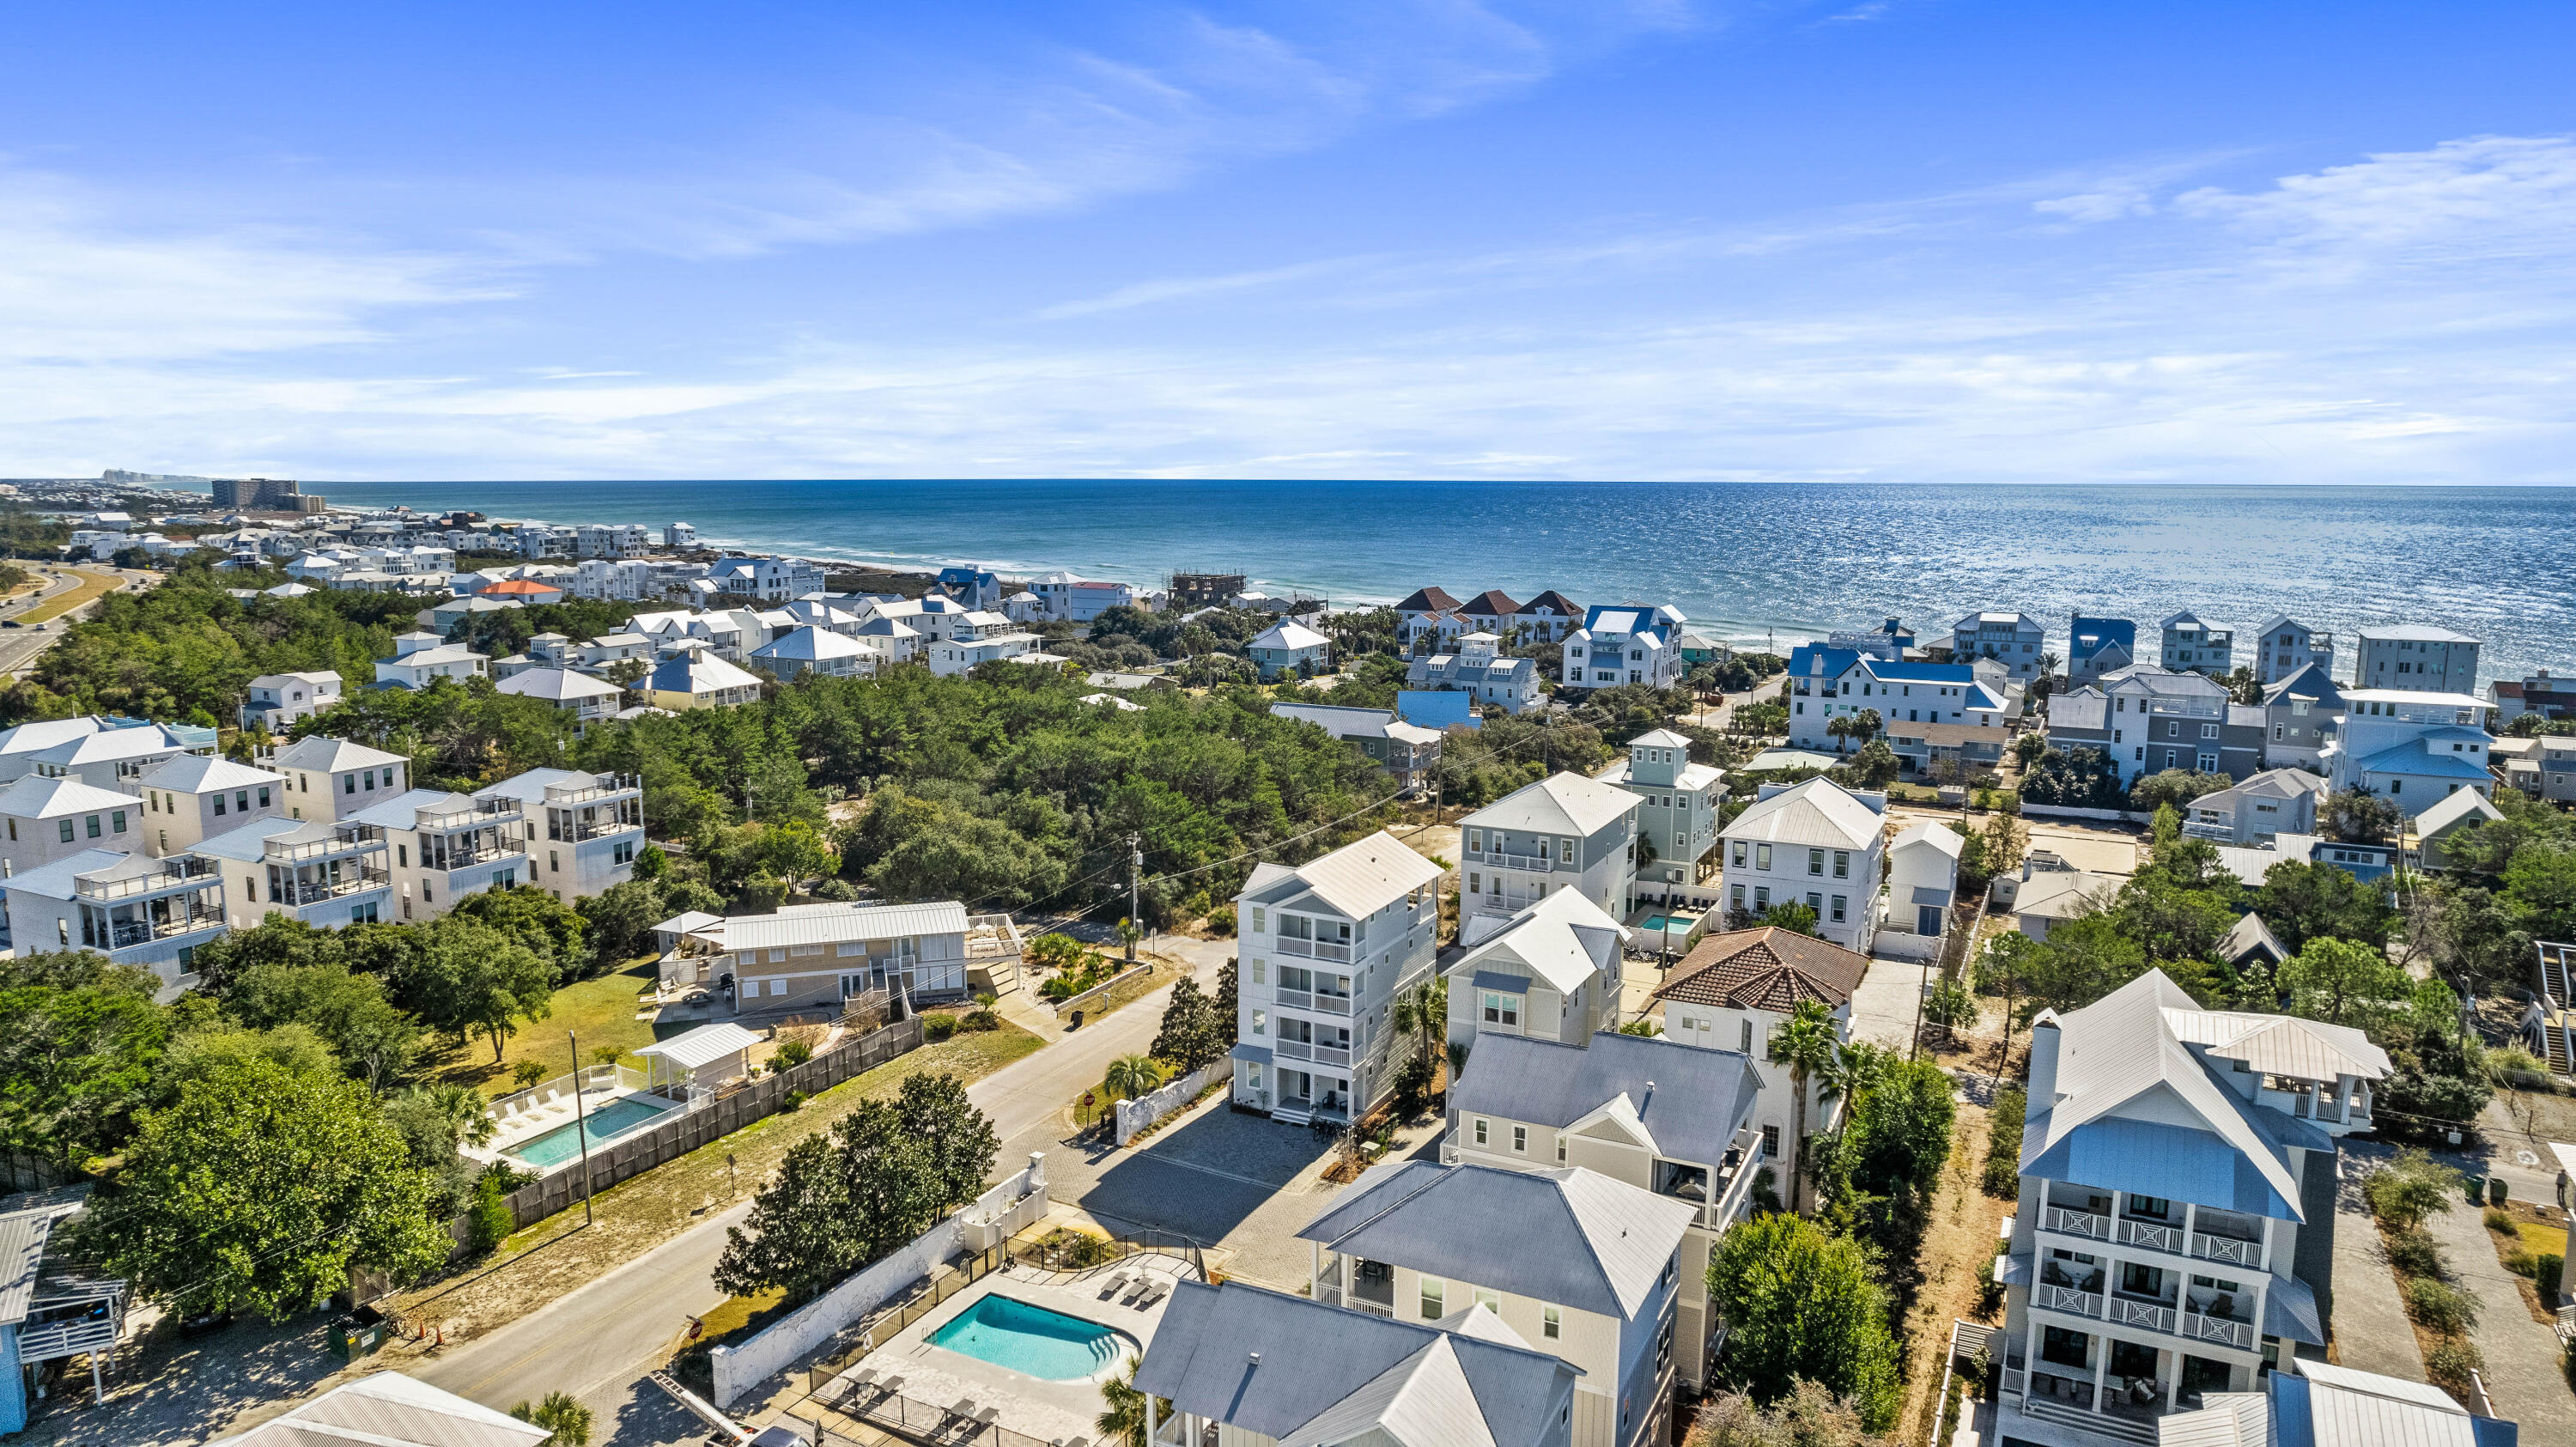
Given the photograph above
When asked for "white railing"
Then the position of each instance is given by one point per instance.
(2155, 1316)
(1533, 863)
(48, 1340)
(1293, 1050)
(1293, 999)
(2075, 1223)
(2229, 1249)
(1331, 1005)
(1291, 945)
(2067, 1299)
(2197, 1327)
(1327, 950)
(1332, 1055)
(2152, 1235)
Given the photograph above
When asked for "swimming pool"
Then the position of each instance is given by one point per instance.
(606, 1123)
(1034, 1341)
(1668, 922)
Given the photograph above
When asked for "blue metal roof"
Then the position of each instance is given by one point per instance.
(2290, 1311)
(1436, 708)
(2151, 1158)
(1955, 673)
(2294, 1419)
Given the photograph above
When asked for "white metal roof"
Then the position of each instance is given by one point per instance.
(834, 924)
(703, 1046)
(1563, 803)
(1818, 811)
(204, 773)
(389, 1409)
(38, 797)
(1357, 880)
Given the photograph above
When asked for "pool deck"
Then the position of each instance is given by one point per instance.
(530, 1122)
(1047, 1411)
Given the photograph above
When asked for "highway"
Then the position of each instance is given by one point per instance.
(19, 646)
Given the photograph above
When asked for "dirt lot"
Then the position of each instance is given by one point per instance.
(1960, 1239)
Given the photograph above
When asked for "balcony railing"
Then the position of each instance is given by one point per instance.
(127, 933)
(1534, 863)
(2154, 1235)
(2217, 830)
(2066, 1299)
(177, 873)
(2069, 1222)
(576, 831)
(2233, 1250)
(1331, 1004)
(2153, 1315)
(1314, 949)
(485, 854)
(612, 786)
(484, 814)
(303, 892)
(1292, 1050)
(1293, 999)
(2238, 1334)
(352, 839)
(1332, 1055)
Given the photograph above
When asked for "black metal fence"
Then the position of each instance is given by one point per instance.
(686, 1130)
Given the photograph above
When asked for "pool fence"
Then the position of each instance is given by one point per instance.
(684, 1130)
(858, 1306)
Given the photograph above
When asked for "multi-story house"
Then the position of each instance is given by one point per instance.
(1887, 642)
(583, 829)
(2193, 645)
(1563, 832)
(2148, 719)
(328, 779)
(1413, 616)
(321, 874)
(2096, 646)
(1289, 647)
(2536, 693)
(1830, 683)
(679, 537)
(692, 679)
(889, 640)
(1405, 750)
(2446, 820)
(1676, 817)
(1734, 990)
(1576, 1263)
(1622, 644)
(278, 701)
(978, 639)
(2283, 646)
(2252, 812)
(1071, 599)
(821, 652)
(1815, 843)
(1325, 947)
(150, 913)
(2172, 1160)
(2546, 770)
(46, 819)
(113, 758)
(447, 846)
(2298, 717)
(1922, 884)
(192, 797)
(1479, 668)
(611, 540)
(1550, 972)
(1658, 1114)
(2419, 660)
(1490, 611)
(586, 698)
(771, 580)
(813, 956)
(974, 587)
(1548, 617)
(20, 745)
(2411, 746)
(2015, 640)
(1250, 1367)
(416, 666)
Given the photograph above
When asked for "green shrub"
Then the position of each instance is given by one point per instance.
(938, 1027)
(2440, 1307)
(2499, 1219)
(2414, 1253)
(1221, 920)
(2520, 1261)
(2547, 1272)
(974, 1020)
(1990, 1292)
(791, 1053)
(490, 1222)
(2002, 1174)
(2449, 1363)
(793, 1100)
(2410, 1188)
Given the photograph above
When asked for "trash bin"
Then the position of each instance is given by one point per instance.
(1077, 1021)
(356, 1336)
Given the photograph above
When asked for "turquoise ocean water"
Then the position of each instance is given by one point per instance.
(1747, 560)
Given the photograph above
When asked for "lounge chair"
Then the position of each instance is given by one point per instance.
(988, 1416)
(1153, 1294)
(1117, 1284)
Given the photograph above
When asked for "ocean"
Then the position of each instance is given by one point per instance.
(1781, 562)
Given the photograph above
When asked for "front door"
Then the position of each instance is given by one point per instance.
(1295, 1087)
(1927, 919)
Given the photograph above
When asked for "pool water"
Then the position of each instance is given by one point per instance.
(606, 1123)
(1667, 922)
(1033, 1341)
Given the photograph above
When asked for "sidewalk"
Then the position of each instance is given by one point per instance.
(2370, 1329)
(2521, 1372)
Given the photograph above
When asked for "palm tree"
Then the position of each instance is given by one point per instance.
(1131, 1076)
(1423, 1013)
(562, 1415)
(1122, 1419)
(1812, 1049)
(461, 1106)
(1839, 729)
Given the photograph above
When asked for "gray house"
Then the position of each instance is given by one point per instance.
(1573, 1262)
(2298, 717)
(1660, 1114)
(1563, 832)
(2422, 660)
(1551, 971)
(1250, 1367)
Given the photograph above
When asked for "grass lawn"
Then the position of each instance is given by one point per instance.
(555, 1255)
(92, 586)
(601, 1010)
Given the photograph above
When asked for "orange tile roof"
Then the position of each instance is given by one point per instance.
(1768, 968)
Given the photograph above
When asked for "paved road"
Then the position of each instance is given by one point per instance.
(19, 646)
(598, 1342)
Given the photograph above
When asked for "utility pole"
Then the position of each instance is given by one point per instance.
(580, 1131)
(1135, 879)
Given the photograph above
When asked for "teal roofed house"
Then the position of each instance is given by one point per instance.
(2173, 1162)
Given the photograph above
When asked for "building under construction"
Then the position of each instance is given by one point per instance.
(1199, 590)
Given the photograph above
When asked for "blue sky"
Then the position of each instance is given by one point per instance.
(1876, 240)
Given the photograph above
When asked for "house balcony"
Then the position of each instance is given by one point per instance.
(2212, 830)
(182, 872)
(349, 840)
(1316, 1001)
(484, 814)
(613, 787)
(322, 891)
(1361, 1285)
(1533, 863)
(2175, 1317)
(468, 857)
(578, 830)
(2202, 1233)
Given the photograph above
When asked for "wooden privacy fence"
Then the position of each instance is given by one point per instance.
(685, 1130)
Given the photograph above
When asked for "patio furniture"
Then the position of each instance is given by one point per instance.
(988, 1416)
(1153, 1293)
(1117, 1284)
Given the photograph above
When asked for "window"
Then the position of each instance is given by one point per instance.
(1770, 1140)
(1434, 1291)
(1565, 851)
(1560, 1150)
(1842, 864)
(1816, 902)
(2209, 730)
(1260, 1022)
(116, 822)
(1739, 854)
(554, 863)
(1256, 1077)
(1256, 919)
(348, 783)
(1490, 1300)
(1520, 1140)
(1475, 841)
(1815, 861)
(1761, 898)
(1551, 1322)
(1481, 1125)
(402, 856)
(93, 826)
(1736, 897)
(1838, 909)
(1260, 968)
(1502, 1010)
(1762, 856)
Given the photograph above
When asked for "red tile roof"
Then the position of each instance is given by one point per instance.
(1768, 968)
(1427, 600)
(1491, 603)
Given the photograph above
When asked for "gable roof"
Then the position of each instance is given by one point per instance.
(2309, 681)
(557, 685)
(325, 755)
(1562, 803)
(842, 921)
(2248, 937)
(1564, 938)
(1767, 968)
(1434, 599)
(1288, 633)
(1933, 832)
(1689, 1101)
(1564, 1235)
(1356, 880)
(201, 773)
(1304, 1373)
(2459, 807)
(388, 1409)
(1817, 811)
(38, 797)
